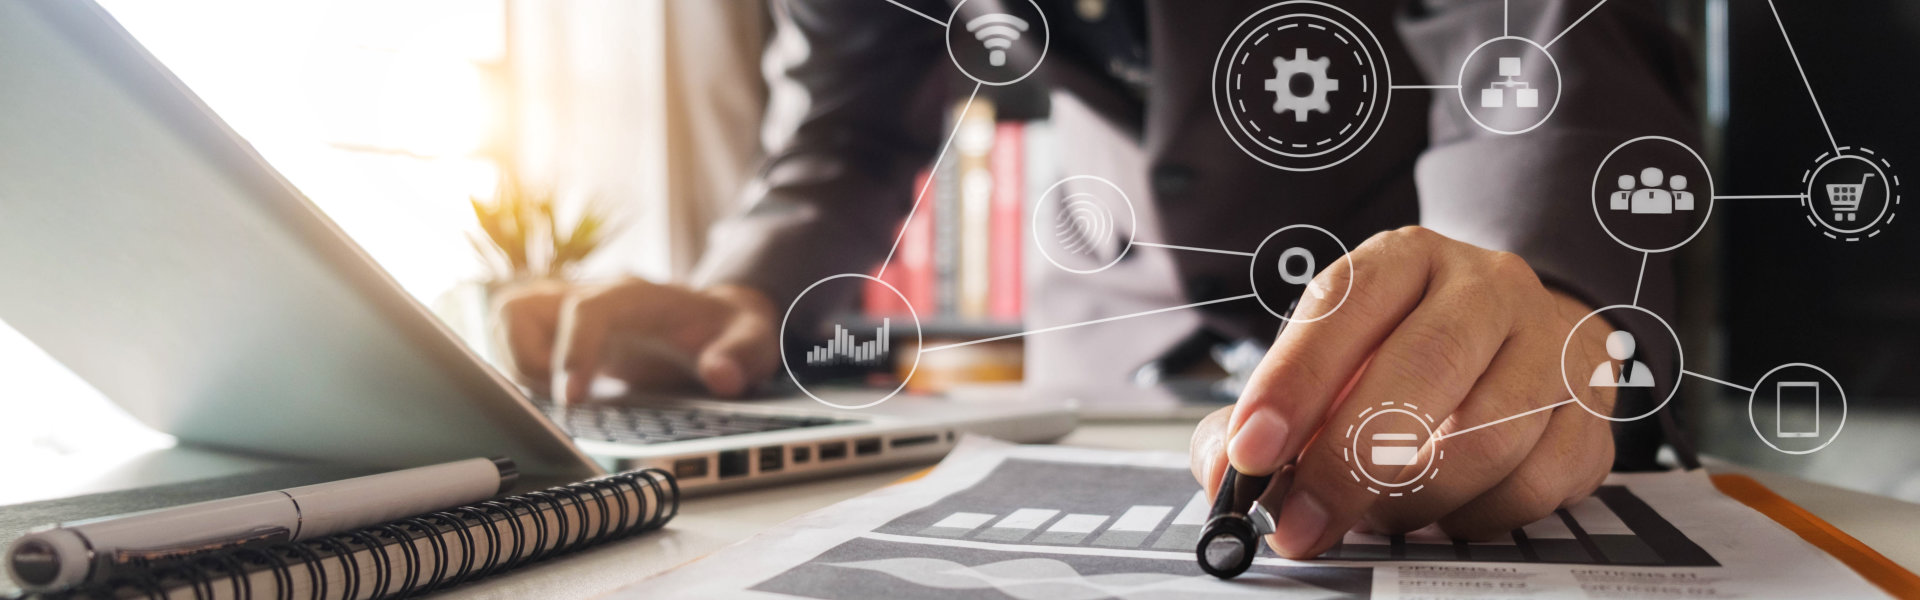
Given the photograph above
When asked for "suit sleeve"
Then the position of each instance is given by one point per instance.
(855, 109)
(1624, 74)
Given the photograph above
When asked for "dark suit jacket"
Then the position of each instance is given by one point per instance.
(858, 89)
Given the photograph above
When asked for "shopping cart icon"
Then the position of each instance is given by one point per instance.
(1845, 198)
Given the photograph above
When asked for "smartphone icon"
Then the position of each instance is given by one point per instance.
(1802, 423)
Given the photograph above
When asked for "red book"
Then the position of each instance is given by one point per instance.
(912, 270)
(1006, 226)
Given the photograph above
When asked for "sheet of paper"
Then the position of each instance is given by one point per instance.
(1054, 523)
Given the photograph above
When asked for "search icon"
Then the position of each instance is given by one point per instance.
(1305, 276)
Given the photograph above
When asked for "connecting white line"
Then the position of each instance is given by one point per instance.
(1803, 77)
(1493, 423)
(1764, 197)
(957, 121)
(1731, 385)
(1192, 249)
(1425, 87)
(1504, 20)
(1643, 277)
(1576, 23)
(1093, 322)
(924, 15)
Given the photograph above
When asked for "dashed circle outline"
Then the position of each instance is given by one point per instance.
(1754, 392)
(1351, 452)
(1240, 107)
(1253, 271)
(1680, 355)
(1133, 223)
(1881, 169)
(1382, 74)
(1460, 85)
(1044, 44)
(918, 340)
(1711, 191)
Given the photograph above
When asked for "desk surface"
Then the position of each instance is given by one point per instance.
(707, 524)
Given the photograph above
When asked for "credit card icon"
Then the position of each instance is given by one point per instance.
(1395, 449)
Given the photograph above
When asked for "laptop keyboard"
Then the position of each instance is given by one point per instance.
(650, 425)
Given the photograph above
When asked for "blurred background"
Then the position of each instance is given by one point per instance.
(433, 131)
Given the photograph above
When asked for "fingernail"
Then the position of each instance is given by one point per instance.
(1302, 521)
(1257, 446)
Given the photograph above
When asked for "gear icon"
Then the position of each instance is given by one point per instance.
(1281, 85)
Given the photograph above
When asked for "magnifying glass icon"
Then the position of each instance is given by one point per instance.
(1305, 275)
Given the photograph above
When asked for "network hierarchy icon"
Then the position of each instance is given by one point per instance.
(1303, 85)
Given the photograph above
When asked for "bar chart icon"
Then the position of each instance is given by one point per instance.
(843, 349)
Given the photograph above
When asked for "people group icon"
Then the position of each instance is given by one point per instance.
(1630, 373)
(1653, 193)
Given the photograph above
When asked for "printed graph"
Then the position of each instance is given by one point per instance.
(1036, 503)
(842, 349)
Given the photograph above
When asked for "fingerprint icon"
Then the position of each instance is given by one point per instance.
(1082, 226)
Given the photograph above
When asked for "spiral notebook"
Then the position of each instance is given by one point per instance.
(418, 554)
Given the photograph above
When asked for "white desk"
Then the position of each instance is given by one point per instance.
(708, 524)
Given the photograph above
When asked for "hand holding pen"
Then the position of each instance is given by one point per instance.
(1469, 336)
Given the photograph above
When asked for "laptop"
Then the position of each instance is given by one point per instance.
(147, 247)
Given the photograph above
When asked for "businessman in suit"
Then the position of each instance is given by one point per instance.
(1479, 253)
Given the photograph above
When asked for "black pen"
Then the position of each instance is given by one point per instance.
(1232, 534)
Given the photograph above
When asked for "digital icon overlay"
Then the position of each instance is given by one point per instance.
(1509, 85)
(1851, 194)
(1301, 85)
(843, 348)
(996, 42)
(1796, 408)
(1652, 194)
(1083, 224)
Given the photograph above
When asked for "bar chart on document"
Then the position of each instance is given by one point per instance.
(1152, 509)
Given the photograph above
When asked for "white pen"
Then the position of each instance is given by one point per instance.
(68, 554)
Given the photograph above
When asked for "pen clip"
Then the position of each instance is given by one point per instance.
(134, 556)
(1262, 520)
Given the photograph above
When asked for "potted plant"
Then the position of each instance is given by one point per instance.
(522, 238)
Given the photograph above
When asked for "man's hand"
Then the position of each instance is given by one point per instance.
(639, 332)
(1468, 335)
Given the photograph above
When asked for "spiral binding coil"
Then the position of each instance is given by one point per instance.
(627, 504)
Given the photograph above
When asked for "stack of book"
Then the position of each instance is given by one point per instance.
(959, 261)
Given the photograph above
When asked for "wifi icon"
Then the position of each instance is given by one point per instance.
(997, 32)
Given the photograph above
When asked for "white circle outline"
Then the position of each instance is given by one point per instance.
(1345, 254)
(1044, 44)
(1354, 444)
(1708, 196)
(1754, 393)
(1885, 206)
(1133, 224)
(1373, 71)
(1461, 85)
(917, 341)
(1385, 82)
(1680, 355)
